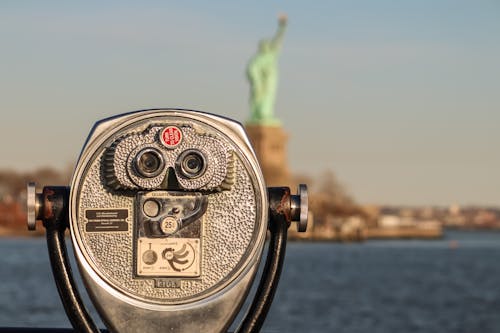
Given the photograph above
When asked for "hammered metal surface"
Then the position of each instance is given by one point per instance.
(120, 156)
(229, 228)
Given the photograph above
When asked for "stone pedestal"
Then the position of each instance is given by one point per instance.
(270, 143)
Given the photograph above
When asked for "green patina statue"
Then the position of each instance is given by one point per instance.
(262, 73)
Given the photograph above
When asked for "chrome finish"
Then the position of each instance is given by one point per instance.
(211, 315)
(210, 311)
(33, 203)
(299, 205)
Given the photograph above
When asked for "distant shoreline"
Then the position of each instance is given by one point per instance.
(364, 235)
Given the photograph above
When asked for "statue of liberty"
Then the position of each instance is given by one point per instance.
(262, 73)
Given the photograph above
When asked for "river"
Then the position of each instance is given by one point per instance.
(449, 285)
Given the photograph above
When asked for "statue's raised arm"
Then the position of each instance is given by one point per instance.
(277, 40)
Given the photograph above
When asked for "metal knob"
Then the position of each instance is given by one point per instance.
(299, 205)
(33, 204)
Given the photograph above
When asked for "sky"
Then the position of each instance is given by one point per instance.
(400, 99)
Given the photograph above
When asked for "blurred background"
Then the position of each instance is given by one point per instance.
(392, 111)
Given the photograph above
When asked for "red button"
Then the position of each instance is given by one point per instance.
(171, 136)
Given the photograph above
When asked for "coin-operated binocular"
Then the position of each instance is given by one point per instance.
(168, 213)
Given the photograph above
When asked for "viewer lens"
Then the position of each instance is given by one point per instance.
(149, 162)
(191, 164)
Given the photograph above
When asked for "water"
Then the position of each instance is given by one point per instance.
(377, 286)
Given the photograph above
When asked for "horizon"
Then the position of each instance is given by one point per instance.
(399, 100)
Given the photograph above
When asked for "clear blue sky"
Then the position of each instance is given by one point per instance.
(401, 99)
